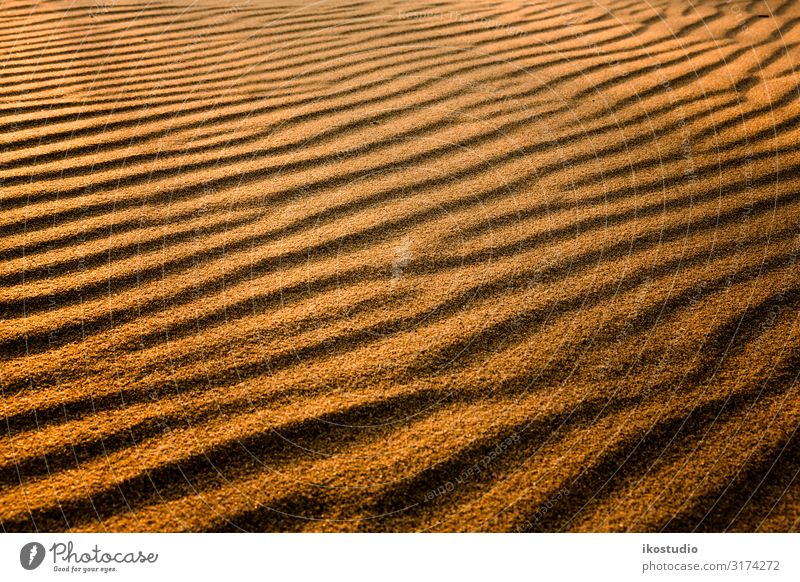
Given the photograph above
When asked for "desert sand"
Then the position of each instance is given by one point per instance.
(399, 266)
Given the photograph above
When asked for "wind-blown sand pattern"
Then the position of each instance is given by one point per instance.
(404, 266)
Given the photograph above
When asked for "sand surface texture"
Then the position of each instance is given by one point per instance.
(406, 266)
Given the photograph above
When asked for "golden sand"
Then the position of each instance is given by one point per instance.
(399, 266)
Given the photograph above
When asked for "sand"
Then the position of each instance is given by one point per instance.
(399, 266)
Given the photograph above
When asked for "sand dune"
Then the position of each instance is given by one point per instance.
(400, 266)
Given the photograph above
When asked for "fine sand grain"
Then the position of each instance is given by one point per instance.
(399, 266)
